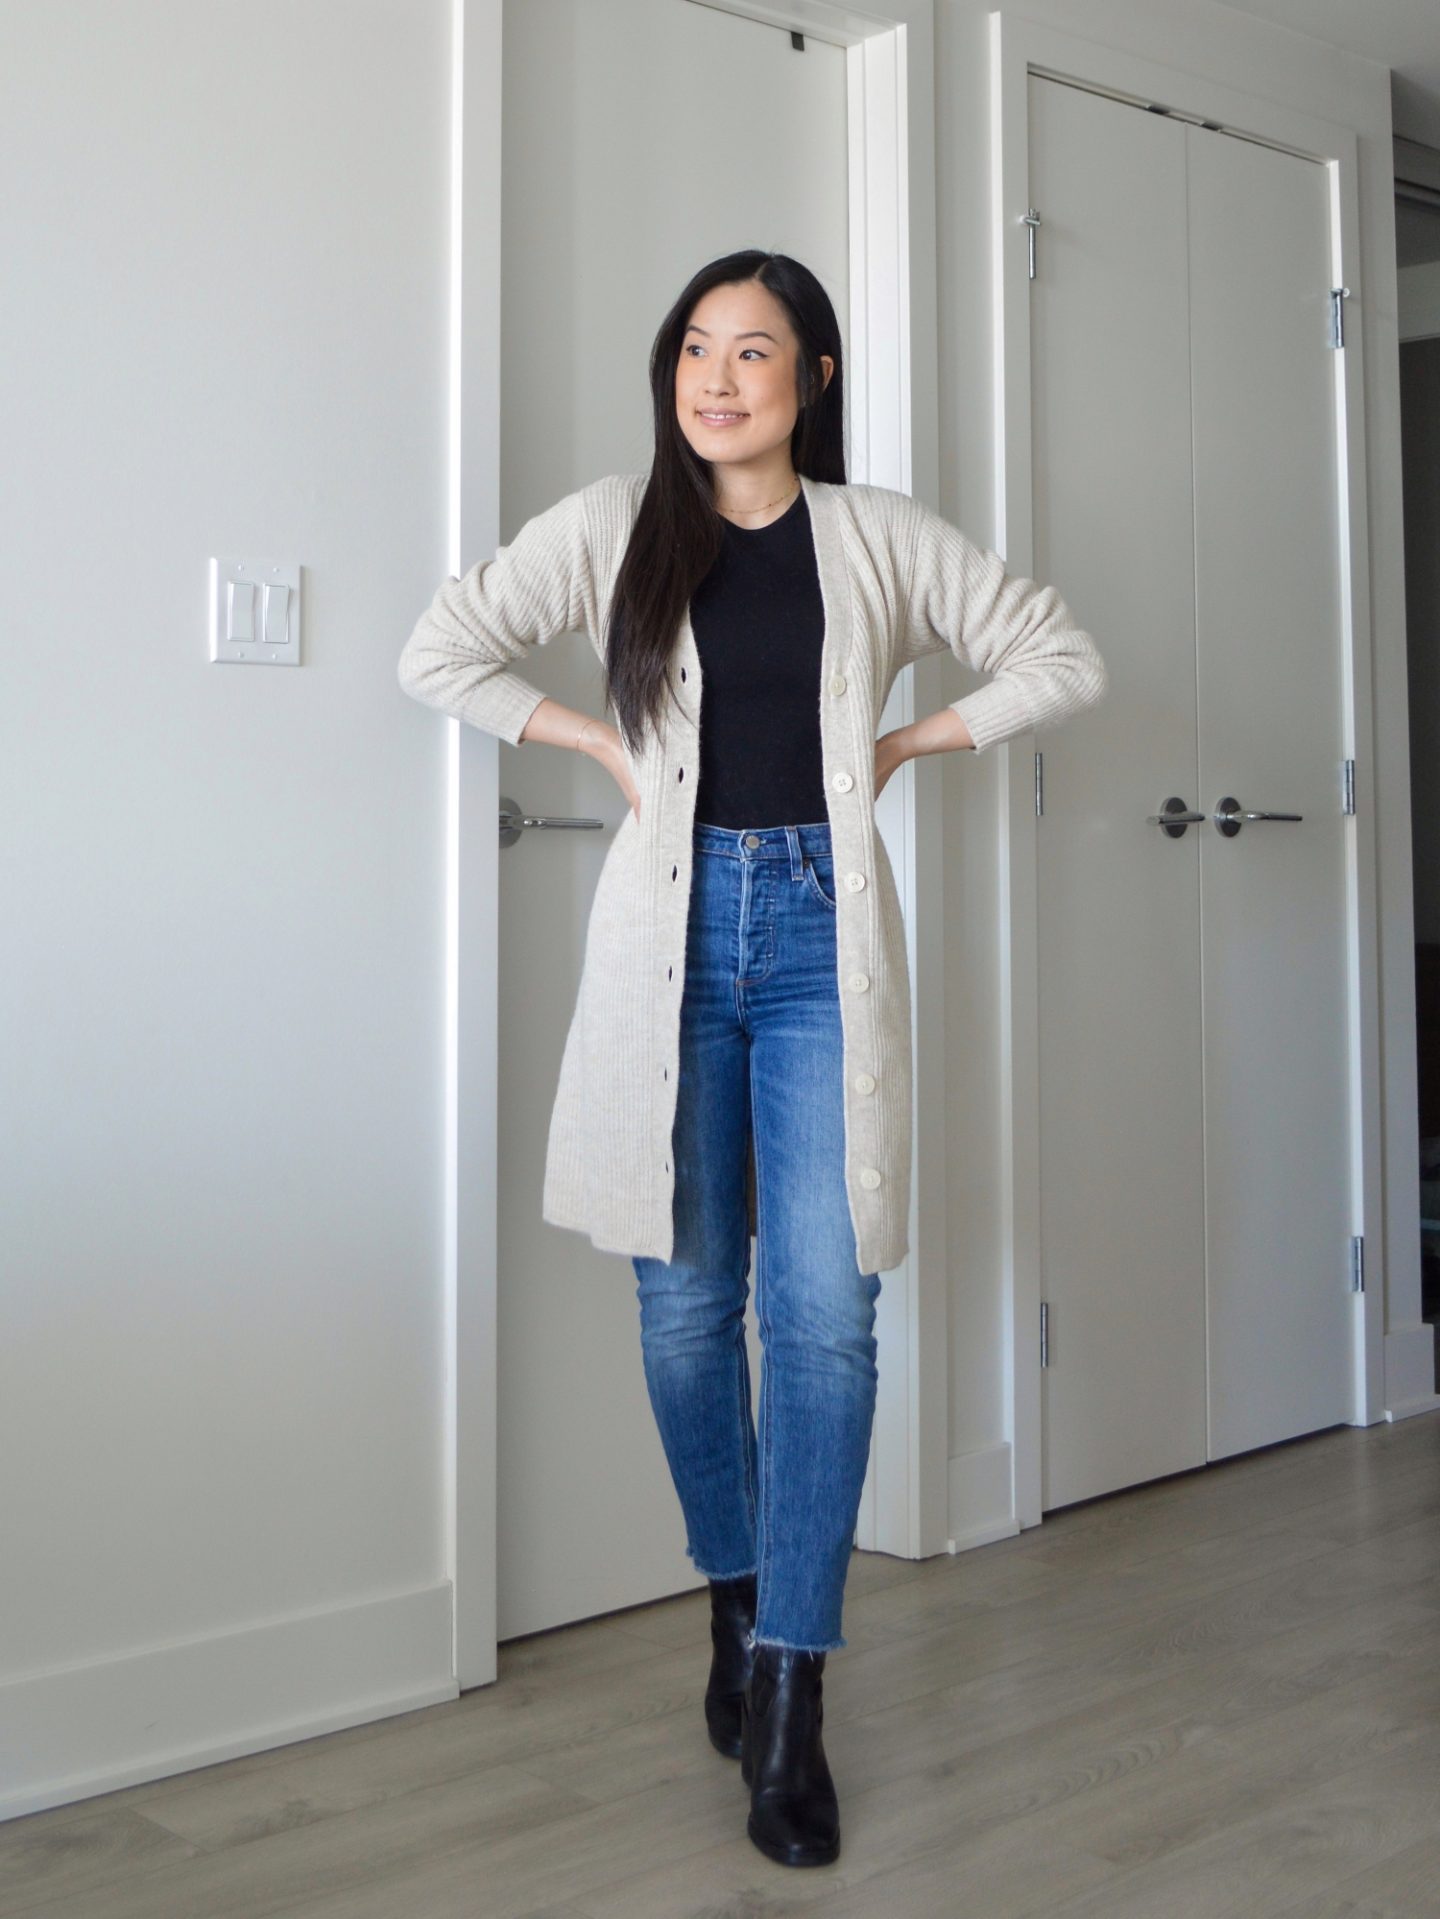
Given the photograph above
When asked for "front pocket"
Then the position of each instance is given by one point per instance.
(818, 877)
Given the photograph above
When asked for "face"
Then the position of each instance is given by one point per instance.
(735, 379)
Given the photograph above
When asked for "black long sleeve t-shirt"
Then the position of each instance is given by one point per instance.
(759, 623)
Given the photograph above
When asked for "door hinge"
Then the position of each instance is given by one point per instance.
(1337, 315)
(1044, 1332)
(1039, 784)
(1349, 806)
(1357, 1263)
(1031, 218)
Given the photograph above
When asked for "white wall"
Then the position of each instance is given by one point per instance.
(224, 230)
(220, 966)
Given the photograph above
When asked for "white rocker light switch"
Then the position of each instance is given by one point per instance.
(239, 590)
(277, 614)
(240, 613)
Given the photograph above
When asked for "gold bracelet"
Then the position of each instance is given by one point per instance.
(581, 734)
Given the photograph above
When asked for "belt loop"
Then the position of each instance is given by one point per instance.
(797, 858)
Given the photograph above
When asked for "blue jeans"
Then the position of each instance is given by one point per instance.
(760, 1050)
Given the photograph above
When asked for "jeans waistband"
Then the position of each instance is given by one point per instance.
(790, 843)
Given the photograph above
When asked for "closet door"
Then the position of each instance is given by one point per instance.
(1270, 733)
(1194, 1117)
(1122, 1151)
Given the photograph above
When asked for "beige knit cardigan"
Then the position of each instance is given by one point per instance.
(897, 582)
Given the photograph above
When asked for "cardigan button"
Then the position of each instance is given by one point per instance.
(859, 981)
(842, 782)
(864, 1082)
(855, 881)
(869, 1177)
(837, 682)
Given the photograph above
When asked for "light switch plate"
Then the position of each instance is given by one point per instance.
(255, 612)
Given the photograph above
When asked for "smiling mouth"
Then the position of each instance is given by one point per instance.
(721, 419)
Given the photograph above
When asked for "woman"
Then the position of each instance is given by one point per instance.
(738, 1060)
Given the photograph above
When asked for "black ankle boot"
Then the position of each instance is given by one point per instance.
(732, 1620)
(794, 1814)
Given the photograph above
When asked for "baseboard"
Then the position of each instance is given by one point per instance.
(982, 1506)
(81, 1730)
(1408, 1408)
(1410, 1370)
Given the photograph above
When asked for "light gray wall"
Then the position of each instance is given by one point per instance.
(224, 229)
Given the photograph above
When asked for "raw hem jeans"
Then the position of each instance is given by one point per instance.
(761, 1053)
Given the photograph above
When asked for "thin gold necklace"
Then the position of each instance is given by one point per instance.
(729, 511)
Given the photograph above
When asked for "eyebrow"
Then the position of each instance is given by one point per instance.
(756, 333)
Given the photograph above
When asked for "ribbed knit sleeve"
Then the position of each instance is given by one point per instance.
(1045, 667)
(460, 658)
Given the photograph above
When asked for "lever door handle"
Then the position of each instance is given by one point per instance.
(1230, 816)
(507, 818)
(514, 821)
(1175, 816)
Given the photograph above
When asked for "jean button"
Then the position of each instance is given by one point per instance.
(752, 839)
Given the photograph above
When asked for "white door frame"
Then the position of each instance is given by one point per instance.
(892, 378)
(1018, 47)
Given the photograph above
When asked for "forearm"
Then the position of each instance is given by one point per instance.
(554, 724)
(942, 732)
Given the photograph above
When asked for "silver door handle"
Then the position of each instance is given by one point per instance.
(1230, 816)
(513, 821)
(508, 818)
(1175, 816)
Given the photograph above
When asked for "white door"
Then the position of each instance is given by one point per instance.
(1194, 1119)
(1271, 734)
(641, 139)
(1121, 1109)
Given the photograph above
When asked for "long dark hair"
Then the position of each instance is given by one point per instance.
(678, 532)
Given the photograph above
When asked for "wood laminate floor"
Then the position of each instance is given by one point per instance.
(1215, 1695)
